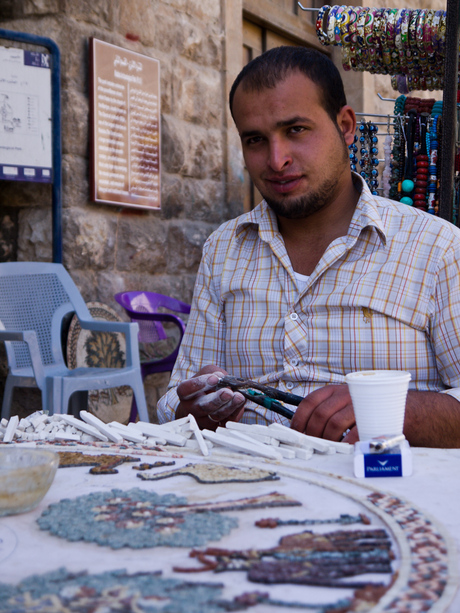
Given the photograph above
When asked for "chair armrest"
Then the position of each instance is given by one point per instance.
(29, 337)
(108, 326)
(158, 317)
(129, 329)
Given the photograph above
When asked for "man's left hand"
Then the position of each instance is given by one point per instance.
(327, 413)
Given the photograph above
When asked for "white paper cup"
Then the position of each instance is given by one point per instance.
(379, 401)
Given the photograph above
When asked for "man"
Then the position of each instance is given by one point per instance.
(321, 278)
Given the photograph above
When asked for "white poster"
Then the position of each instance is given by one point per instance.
(25, 115)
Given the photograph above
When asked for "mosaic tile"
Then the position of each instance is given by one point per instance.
(309, 559)
(103, 464)
(117, 591)
(215, 473)
(429, 569)
(137, 518)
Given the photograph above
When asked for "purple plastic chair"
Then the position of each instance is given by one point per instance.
(147, 309)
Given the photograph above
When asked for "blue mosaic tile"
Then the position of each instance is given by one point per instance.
(134, 518)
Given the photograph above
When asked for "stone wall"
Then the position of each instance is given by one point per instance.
(106, 248)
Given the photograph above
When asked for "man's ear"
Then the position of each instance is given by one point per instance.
(346, 120)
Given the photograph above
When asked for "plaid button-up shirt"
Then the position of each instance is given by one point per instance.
(385, 296)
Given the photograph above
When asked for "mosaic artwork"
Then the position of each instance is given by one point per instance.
(147, 466)
(429, 568)
(103, 464)
(215, 473)
(137, 518)
(61, 591)
(343, 519)
(309, 559)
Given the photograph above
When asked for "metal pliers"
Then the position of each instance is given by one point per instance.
(265, 396)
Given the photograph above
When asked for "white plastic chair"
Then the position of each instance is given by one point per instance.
(35, 297)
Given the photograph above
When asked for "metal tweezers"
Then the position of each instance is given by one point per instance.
(265, 396)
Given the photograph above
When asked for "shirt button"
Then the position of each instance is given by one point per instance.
(295, 362)
(294, 316)
(290, 385)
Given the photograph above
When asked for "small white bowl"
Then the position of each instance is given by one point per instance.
(25, 477)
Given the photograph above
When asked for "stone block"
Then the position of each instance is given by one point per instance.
(89, 237)
(139, 18)
(141, 242)
(190, 83)
(184, 33)
(40, 7)
(166, 81)
(103, 13)
(204, 200)
(173, 196)
(85, 279)
(191, 150)
(204, 154)
(75, 181)
(35, 235)
(74, 46)
(173, 142)
(19, 194)
(8, 235)
(75, 109)
(197, 199)
(185, 244)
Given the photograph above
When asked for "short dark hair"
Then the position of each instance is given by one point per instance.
(273, 66)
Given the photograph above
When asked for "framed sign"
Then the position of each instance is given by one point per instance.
(125, 127)
(25, 115)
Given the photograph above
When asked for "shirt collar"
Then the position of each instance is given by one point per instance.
(366, 215)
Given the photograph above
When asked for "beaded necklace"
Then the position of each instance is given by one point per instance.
(407, 185)
(432, 186)
(406, 43)
(398, 151)
(422, 163)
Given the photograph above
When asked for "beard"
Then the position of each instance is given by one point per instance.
(306, 205)
(322, 197)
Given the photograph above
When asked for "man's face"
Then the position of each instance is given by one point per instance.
(295, 154)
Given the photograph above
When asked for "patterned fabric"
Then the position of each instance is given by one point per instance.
(385, 296)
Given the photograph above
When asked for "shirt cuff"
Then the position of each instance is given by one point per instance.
(454, 391)
(166, 406)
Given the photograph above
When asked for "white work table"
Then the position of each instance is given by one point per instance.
(324, 485)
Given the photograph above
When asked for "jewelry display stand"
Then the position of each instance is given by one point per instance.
(409, 45)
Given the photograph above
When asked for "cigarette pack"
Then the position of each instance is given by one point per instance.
(395, 462)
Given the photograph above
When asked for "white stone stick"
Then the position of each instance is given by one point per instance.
(128, 434)
(83, 426)
(292, 437)
(199, 437)
(153, 441)
(244, 446)
(248, 428)
(193, 444)
(288, 452)
(109, 432)
(341, 447)
(300, 453)
(242, 436)
(155, 430)
(67, 436)
(176, 424)
(10, 429)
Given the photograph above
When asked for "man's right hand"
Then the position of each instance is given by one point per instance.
(210, 406)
